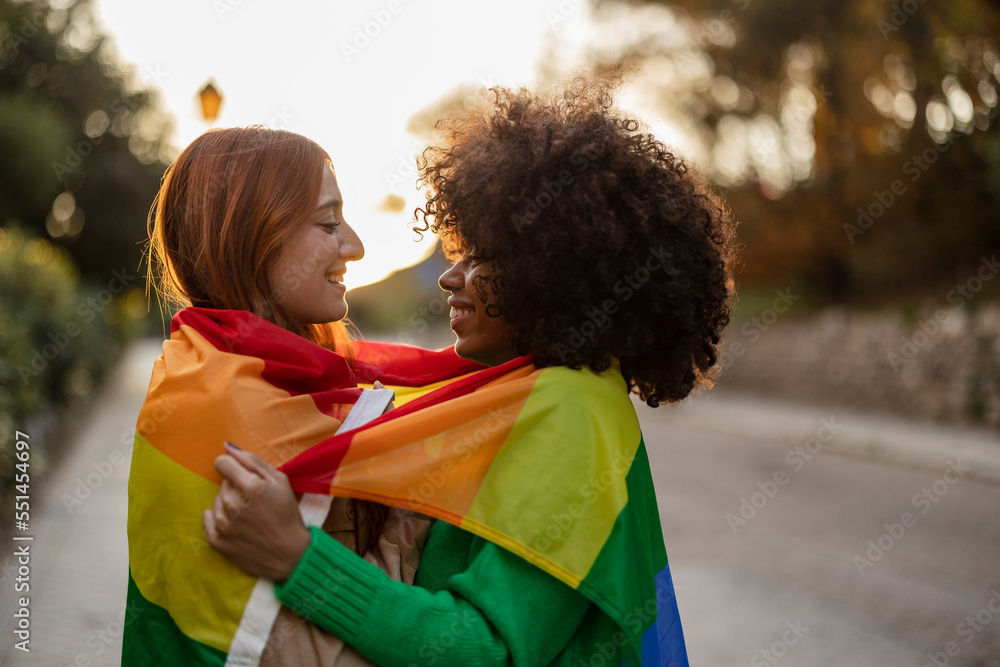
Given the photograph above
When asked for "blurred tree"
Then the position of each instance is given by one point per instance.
(81, 140)
(856, 139)
(458, 100)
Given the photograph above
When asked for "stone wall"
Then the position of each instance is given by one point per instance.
(944, 367)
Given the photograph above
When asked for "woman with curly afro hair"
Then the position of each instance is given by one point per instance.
(581, 246)
(579, 239)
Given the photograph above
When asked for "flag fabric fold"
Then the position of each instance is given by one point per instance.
(548, 463)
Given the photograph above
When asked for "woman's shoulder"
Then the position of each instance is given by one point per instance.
(575, 393)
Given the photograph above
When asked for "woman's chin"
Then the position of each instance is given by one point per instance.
(328, 317)
(338, 312)
(463, 349)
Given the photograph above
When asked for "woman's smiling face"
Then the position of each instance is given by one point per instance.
(480, 337)
(307, 278)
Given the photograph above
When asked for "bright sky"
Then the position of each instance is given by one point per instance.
(309, 67)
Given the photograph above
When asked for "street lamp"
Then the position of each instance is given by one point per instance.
(211, 100)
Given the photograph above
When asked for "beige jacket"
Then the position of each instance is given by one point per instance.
(295, 642)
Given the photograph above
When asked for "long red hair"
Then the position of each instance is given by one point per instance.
(224, 208)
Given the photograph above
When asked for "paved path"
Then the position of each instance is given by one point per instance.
(792, 563)
(79, 566)
(768, 511)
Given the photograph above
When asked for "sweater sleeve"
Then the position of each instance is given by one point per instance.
(500, 611)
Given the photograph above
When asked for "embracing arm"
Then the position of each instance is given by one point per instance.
(499, 611)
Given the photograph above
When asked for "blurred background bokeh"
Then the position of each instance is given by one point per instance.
(855, 140)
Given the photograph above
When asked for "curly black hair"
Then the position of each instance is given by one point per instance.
(604, 245)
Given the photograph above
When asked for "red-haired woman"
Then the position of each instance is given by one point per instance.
(580, 240)
(249, 233)
(252, 219)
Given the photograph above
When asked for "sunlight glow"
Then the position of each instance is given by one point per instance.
(348, 75)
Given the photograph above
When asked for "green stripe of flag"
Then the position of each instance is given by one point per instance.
(635, 549)
(152, 639)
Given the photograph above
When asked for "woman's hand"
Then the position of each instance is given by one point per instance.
(392, 404)
(255, 520)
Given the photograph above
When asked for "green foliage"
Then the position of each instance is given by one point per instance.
(36, 135)
(80, 162)
(74, 122)
(56, 341)
(809, 110)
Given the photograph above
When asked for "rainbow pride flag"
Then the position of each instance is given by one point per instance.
(548, 463)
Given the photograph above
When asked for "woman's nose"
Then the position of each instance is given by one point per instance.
(351, 248)
(453, 279)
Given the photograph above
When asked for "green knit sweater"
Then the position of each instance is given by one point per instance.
(473, 603)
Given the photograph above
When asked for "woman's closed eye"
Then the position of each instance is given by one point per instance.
(469, 258)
